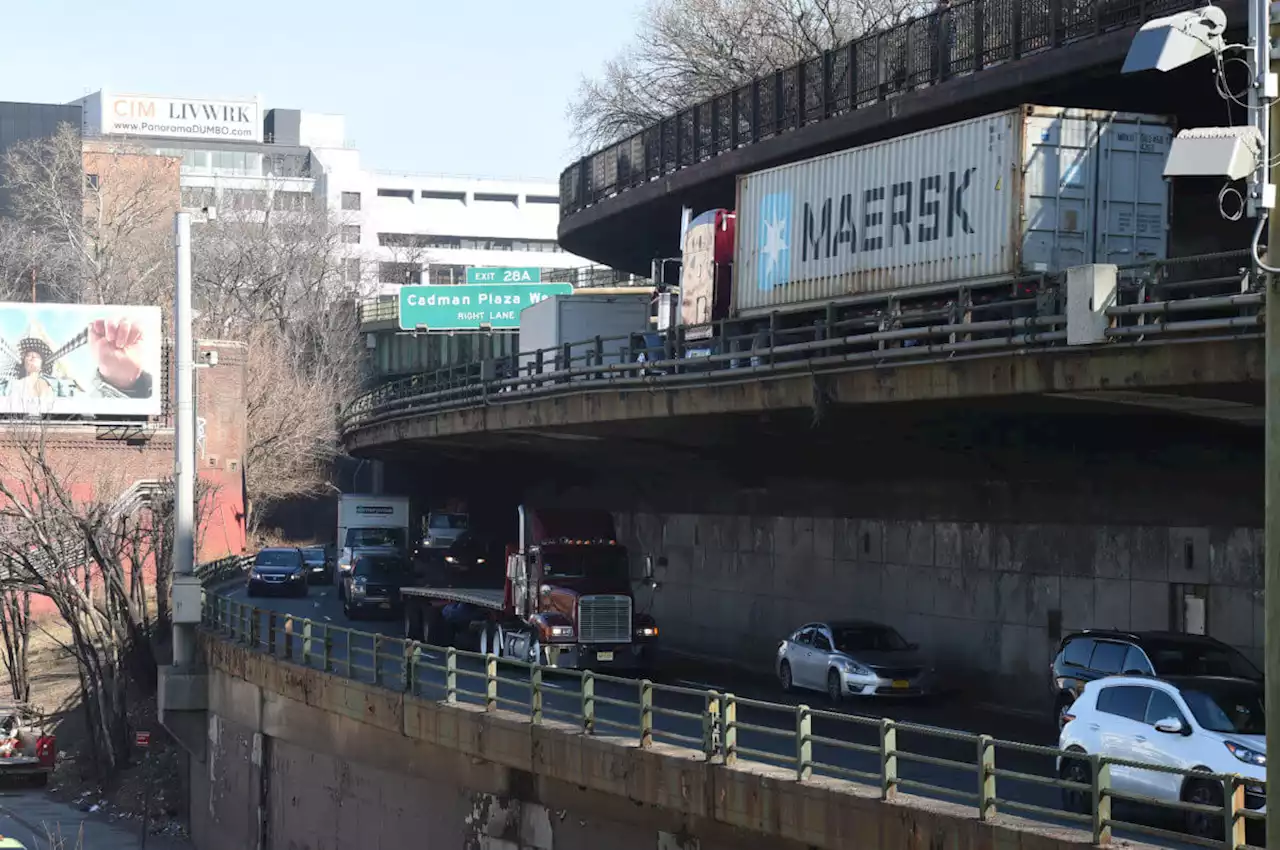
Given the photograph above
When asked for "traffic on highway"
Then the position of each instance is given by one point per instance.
(938, 743)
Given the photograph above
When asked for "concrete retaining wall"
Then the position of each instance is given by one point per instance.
(989, 600)
(304, 759)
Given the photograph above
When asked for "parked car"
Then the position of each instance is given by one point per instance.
(1093, 654)
(1207, 724)
(26, 750)
(852, 658)
(319, 563)
(278, 570)
(373, 585)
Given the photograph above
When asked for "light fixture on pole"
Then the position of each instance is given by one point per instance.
(1234, 153)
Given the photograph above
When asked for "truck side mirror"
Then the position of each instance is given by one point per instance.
(648, 566)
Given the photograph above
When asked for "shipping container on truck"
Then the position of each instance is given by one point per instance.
(561, 319)
(370, 521)
(1029, 190)
(563, 598)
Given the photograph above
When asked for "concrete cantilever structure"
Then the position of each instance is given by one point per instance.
(1218, 378)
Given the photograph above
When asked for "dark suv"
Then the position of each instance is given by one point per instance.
(1094, 653)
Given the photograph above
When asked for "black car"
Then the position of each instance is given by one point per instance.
(470, 559)
(373, 585)
(278, 570)
(319, 564)
(1095, 653)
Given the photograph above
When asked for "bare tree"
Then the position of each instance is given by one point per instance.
(79, 549)
(277, 279)
(105, 209)
(687, 51)
(15, 633)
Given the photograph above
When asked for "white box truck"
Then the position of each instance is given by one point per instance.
(370, 521)
(579, 318)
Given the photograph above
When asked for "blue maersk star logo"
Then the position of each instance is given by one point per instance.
(775, 244)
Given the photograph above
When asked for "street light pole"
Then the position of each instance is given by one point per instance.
(184, 470)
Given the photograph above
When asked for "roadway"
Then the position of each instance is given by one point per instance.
(678, 707)
(42, 823)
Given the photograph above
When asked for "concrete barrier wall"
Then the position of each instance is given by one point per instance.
(303, 759)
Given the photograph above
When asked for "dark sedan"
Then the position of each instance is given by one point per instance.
(373, 585)
(319, 564)
(278, 570)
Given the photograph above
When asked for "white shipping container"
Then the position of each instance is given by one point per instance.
(577, 318)
(1031, 189)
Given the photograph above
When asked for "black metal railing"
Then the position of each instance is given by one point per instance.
(968, 37)
(1206, 296)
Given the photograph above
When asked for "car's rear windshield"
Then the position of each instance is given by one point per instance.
(277, 558)
(1171, 658)
(313, 553)
(868, 639)
(1227, 708)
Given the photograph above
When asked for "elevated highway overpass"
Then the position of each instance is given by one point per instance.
(621, 205)
(974, 477)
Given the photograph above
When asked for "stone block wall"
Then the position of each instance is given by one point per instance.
(990, 601)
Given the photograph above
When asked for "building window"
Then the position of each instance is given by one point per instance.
(291, 201)
(351, 269)
(351, 234)
(91, 181)
(542, 199)
(440, 273)
(198, 197)
(351, 201)
(435, 195)
(496, 199)
(406, 194)
(401, 273)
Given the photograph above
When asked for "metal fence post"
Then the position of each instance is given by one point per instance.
(408, 666)
(729, 728)
(588, 702)
(347, 654)
(888, 758)
(986, 777)
(1101, 772)
(1232, 806)
(451, 675)
(804, 743)
(491, 682)
(535, 694)
(306, 643)
(255, 628)
(711, 725)
(288, 637)
(646, 713)
(327, 657)
(377, 659)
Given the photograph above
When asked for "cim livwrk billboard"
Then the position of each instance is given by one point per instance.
(80, 359)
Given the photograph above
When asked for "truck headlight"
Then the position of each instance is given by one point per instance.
(358, 586)
(647, 631)
(449, 559)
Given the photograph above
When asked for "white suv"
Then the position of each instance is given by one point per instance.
(1195, 724)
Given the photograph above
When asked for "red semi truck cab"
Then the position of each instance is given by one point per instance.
(706, 275)
(569, 579)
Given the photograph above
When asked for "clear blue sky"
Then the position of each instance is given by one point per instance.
(441, 86)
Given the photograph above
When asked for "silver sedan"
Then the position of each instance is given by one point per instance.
(852, 658)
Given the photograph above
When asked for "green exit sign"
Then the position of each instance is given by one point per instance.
(500, 275)
(471, 307)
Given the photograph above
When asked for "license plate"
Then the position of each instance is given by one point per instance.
(604, 656)
(385, 605)
(901, 684)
